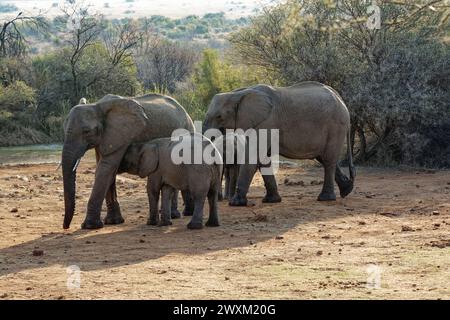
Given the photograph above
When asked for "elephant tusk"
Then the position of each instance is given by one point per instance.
(76, 165)
(59, 166)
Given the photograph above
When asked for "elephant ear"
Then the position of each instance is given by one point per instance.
(253, 107)
(124, 121)
(149, 159)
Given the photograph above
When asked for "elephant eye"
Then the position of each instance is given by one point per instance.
(90, 131)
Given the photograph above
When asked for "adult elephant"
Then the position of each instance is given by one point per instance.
(312, 120)
(110, 126)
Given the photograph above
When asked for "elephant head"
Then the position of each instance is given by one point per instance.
(240, 109)
(140, 159)
(149, 160)
(109, 125)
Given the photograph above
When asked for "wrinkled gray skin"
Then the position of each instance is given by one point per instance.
(201, 181)
(231, 169)
(110, 126)
(230, 173)
(313, 123)
(228, 145)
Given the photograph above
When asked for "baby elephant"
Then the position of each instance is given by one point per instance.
(198, 181)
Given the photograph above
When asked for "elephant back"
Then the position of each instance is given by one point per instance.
(165, 115)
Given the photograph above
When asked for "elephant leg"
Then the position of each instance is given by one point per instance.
(231, 180)
(327, 193)
(188, 204)
(272, 195)
(213, 219)
(113, 215)
(246, 173)
(345, 184)
(174, 213)
(197, 219)
(104, 175)
(153, 191)
(167, 193)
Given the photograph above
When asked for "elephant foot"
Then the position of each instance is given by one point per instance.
(327, 196)
(238, 201)
(345, 188)
(273, 198)
(164, 223)
(114, 220)
(194, 225)
(91, 224)
(114, 216)
(175, 214)
(152, 222)
(212, 223)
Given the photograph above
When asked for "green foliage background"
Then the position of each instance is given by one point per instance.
(395, 80)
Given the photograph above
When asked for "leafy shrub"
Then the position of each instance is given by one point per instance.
(17, 97)
(214, 75)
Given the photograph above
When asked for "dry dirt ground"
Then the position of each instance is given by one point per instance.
(394, 227)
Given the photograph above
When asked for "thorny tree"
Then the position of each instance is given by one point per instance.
(12, 38)
(162, 63)
(13, 43)
(85, 30)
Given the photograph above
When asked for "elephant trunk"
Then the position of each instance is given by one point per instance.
(70, 160)
(205, 127)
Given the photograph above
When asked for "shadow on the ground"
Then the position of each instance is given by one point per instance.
(134, 242)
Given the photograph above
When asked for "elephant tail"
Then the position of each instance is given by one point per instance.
(351, 167)
(345, 184)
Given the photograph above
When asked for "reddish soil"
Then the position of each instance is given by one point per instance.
(397, 220)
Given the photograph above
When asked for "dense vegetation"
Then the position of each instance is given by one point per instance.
(46, 66)
(395, 79)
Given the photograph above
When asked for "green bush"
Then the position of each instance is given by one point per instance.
(190, 101)
(214, 75)
(17, 97)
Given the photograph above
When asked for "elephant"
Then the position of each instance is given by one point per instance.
(232, 158)
(313, 123)
(201, 180)
(228, 146)
(231, 173)
(110, 126)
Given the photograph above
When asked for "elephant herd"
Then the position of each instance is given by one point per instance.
(134, 135)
